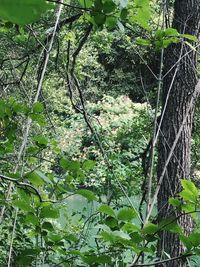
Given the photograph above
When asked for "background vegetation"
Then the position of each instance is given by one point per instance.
(77, 111)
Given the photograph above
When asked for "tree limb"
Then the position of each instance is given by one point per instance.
(162, 261)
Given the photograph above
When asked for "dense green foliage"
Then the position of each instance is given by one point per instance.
(74, 159)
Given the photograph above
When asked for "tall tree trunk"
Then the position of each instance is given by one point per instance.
(178, 90)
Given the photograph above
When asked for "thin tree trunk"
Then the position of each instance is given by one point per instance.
(178, 90)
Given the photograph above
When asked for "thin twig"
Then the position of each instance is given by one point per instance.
(162, 261)
(12, 238)
(68, 5)
(196, 92)
(29, 120)
(86, 116)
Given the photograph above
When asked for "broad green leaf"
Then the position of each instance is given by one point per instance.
(107, 236)
(47, 226)
(150, 228)
(41, 140)
(103, 259)
(136, 237)
(174, 201)
(189, 37)
(89, 164)
(111, 22)
(33, 150)
(106, 210)
(38, 107)
(23, 205)
(55, 237)
(99, 18)
(44, 177)
(34, 178)
(141, 41)
(3, 108)
(64, 163)
(98, 5)
(24, 196)
(111, 222)
(170, 225)
(39, 118)
(189, 207)
(189, 185)
(6, 109)
(159, 34)
(75, 252)
(142, 17)
(108, 6)
(174, 228)
(27, 256)
(49, 212)
(9, 148)
(71, 237)
(169, 41)
(126, 214)
(164, 43)
(130, 228)
(31, 219)
(90, 259)
(23, 11)
(124, 13)
(120, 234)
(86, 3)
(74, 165)
(37, 178)
(171, 32)
(87, 194)
(142, 14)
(70, 36)
(188, 195)
(19, 108)
(186, 241)
(194, 238)
(102, 227)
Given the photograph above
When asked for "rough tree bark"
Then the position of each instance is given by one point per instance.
(178, 90)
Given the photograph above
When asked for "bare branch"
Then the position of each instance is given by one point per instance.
(156, 263)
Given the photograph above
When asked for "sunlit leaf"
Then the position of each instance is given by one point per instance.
(23, 11)
(126, 214)
(86, 3)
(23, 205)
(106, 210)
(31, 219)
(194, 238)
(174, 201)
(37, 178)
(87, 194)
(189, 185)
(150, 228)
(38, 107)
(49, 212)
(130, 228)
(89, 164)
